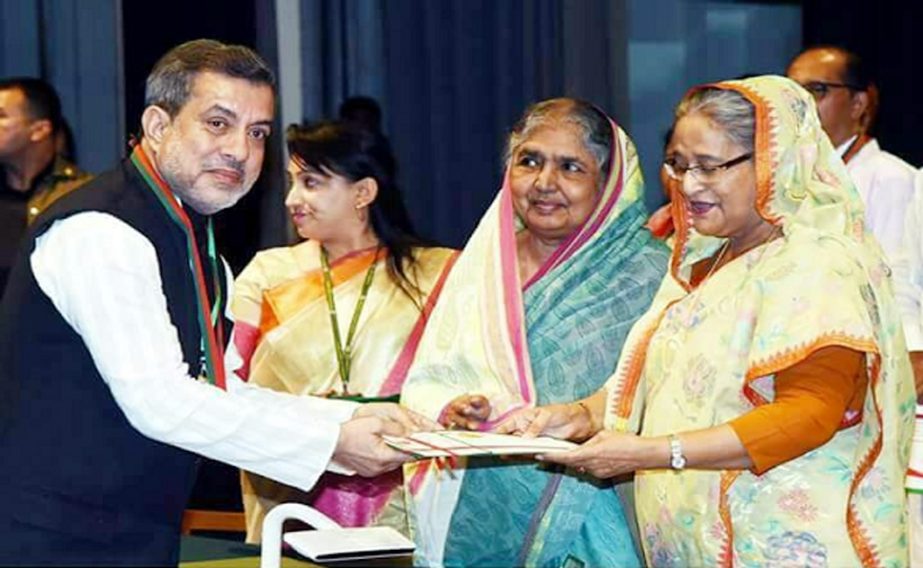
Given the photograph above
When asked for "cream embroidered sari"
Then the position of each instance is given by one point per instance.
(703, 356)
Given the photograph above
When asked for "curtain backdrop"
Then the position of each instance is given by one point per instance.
(452, 76)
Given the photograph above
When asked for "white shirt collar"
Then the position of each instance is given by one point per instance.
(842, 148)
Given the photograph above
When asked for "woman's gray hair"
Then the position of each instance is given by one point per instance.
(597, 132)
(170, 82)
(727, 109)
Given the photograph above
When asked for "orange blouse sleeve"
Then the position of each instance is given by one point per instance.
(811, 399)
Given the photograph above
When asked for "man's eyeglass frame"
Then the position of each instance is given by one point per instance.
(820, 89)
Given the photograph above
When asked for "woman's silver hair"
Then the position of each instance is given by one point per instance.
(728, 110)
(597, 132)
(170, 82)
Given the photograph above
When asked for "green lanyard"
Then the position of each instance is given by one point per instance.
(213, 260)
(344, 354)
(216, 306)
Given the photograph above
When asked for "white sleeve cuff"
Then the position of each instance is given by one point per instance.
(913, 334)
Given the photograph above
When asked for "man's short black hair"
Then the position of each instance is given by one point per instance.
(42, 102)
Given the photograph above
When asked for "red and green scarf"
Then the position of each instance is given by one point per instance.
(209, 317)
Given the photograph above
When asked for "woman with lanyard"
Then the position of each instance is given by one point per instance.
(341, 313)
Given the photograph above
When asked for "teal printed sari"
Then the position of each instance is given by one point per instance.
(554, 339)
(577, 318)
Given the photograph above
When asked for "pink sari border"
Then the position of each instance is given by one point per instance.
(354, 501)
(392, 385)
(489, 425)
(512, 297)
(246, 338)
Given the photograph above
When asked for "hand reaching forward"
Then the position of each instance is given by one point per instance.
(468, 411)
(361, 449)
(563, 421)
(610, 453)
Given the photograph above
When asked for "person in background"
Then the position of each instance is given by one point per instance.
(908, 286)
(765, 401)
(535, 312)
(361, 111)
(33, 174)
(112, 372)
(341, 313)
(660, 223)
(847, 102)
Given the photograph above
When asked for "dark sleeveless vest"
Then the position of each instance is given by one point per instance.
(78, 484)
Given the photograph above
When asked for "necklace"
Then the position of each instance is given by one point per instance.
(690, 309)
(344, 352)
(717, 261)
(724, 248)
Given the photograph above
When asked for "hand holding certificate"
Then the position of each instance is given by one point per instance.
(452, 443)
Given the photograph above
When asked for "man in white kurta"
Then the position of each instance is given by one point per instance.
(885, 183)
(845, 97)
(99, 405)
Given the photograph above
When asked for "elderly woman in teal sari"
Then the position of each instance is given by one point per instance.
(535, 311)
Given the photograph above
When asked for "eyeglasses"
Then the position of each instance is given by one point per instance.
(705, 174)
(820, 89)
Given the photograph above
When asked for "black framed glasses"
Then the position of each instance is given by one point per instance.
(820, 89)
(705, 174)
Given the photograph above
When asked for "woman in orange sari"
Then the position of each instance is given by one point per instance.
(341, 313)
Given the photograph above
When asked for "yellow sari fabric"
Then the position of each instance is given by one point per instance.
(703, 356)
(283, 332)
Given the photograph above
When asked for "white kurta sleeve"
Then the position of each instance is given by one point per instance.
(908, 270)
(103, 277)
(888, 200)
(885, 183)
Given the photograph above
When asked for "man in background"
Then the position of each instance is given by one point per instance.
(362, 111)
(33, 174)
(846, 102)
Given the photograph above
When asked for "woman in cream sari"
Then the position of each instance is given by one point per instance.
(769, 381)
(534, 312)
(340, 314)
